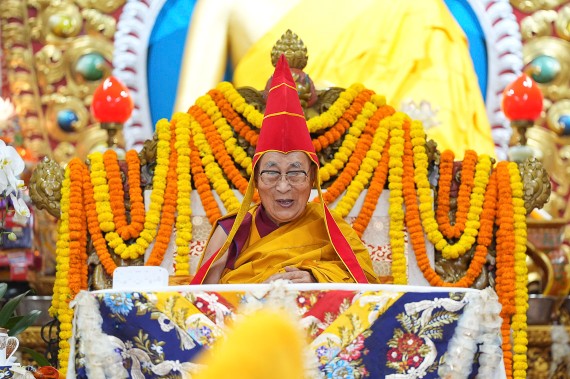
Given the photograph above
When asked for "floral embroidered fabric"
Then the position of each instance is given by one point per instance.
(354, 332)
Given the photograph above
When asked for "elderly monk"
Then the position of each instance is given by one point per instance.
(284, 237)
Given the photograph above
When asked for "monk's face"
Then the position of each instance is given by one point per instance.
(284, 183)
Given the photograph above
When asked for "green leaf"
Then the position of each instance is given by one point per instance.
(40, 359)
(12, 321)
(25, 322)
(8, 309)
(3, 289)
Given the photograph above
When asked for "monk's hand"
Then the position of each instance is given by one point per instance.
(294, 275)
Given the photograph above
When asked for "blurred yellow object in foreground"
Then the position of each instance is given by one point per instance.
(265, 344)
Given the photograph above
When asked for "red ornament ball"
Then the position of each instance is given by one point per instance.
(112, 102)
(522, 100)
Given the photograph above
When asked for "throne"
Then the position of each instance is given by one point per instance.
(325, 99)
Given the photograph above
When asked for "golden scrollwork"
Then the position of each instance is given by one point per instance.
(57, 53)
(97, 22)
(528, 6)
(17, 49)
(105, 6)
(563, 22)
(536, 182)
(56, 103)
(45, 186)
(59, 22)
(558, 88)
(50, 67)
(539, 24)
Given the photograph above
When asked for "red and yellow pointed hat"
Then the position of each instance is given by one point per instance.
(284, 128)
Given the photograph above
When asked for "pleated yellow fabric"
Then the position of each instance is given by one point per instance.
(405, 50)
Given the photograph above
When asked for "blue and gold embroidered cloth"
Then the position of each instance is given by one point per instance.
(356, 331)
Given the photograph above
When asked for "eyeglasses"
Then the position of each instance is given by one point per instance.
(271, 178)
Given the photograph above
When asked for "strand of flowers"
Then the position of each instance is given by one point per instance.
(95, 232)
(252, 115)
(430, 225)
(117, 195)
(374, 191)
(167, 216)
(152, 219)
(505, 274)
(217, 147)
(212, 169)
(202, 185)
(350, 140)
(323, 121)
(224, 130)
(368, 159)
(354, 160)
(183, 204)
(77, 275)
(234, 119)
(519, 321)
(343, 124)
(444, 186)
(413, 221)
(61, 297)
(396, 201)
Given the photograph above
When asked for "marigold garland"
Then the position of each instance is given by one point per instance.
(350, 140)
(224, 131)
(61, 292)
(117, 196)
(380, 131)
(183, 204)
(413, 221)
(519, 320)
(202, 185)
(374, 191)
(212, 169)
(463, 197)
(396, 201)
(168, 207)
(505, 274)
(364, 160)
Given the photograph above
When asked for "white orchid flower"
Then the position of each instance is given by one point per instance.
(7, 110)
(22, 210)
(11, 166)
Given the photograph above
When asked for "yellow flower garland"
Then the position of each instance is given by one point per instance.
(396, 201)
(226, 133)
(369, 163)
(212, 169)
(482, 174)
(350, 140)
(183, 204)
(152, 217)
(519, 323)
(321, 122)
(61, 292)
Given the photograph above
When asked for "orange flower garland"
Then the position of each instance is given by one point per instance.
(344, 122)
(505, 274)
(233, 118)
(117, 196)
(413, 223)
(463, 201)
(202, 185)
(77, 276)
(355, 159)
(168, 207)
(218, 148)
(374, 191)
(95, 232)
